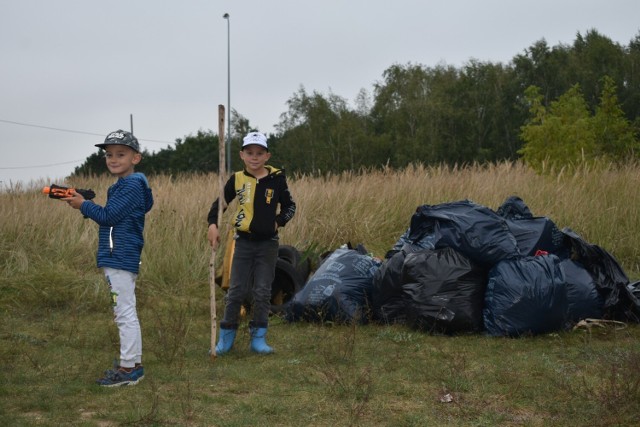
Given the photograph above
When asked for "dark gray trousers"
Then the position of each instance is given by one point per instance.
(252, 272)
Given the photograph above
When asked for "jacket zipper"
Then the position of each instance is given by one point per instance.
(110, 241)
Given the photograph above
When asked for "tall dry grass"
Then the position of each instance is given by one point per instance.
(373, 208)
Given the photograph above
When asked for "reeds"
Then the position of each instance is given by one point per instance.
(369, 207)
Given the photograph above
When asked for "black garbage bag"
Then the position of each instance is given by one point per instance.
(634, 289)
(526, 296)
(538, 295)
(514, 208)
(533, 234)
(387, 303)
(287, 281)
(610, 279)
(583, 299)
(443, 291)
(426, 242)
(537, 234)
(339, 290)
(471, 229)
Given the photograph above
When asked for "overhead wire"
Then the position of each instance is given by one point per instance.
(75, 131)
(62, 130)
(41, 166)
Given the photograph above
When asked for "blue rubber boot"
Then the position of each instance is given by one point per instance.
(225, 340)
(258, 342)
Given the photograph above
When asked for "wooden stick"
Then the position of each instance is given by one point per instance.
(221, 206)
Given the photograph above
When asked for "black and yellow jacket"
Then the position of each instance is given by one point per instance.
(257, 213)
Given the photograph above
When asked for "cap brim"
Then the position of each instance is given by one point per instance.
(103, 146)
(255, 143)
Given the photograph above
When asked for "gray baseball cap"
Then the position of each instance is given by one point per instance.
(121, 137)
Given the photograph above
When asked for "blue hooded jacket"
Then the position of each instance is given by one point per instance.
(121, 221)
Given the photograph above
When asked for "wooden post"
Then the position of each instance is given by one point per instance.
(221, 206)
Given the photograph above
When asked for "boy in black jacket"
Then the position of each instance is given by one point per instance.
(259, 189)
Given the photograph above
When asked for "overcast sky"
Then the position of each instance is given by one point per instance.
(73, 70)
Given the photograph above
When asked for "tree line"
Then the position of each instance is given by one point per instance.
(556, 105)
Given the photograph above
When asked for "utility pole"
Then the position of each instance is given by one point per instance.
(228, 140)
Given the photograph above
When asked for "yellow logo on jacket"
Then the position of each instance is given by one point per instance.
(245, 194)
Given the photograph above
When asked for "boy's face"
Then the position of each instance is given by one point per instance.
(121, 159)
(254, 158)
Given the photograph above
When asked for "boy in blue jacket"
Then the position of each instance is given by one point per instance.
(120, 243)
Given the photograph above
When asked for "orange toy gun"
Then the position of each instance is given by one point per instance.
(59, 192)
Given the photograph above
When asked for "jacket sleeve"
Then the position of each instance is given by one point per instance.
(118, 207)
(287, 206)
(229, 195)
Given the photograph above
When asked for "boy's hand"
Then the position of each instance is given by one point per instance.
(213, 236)
(74, 201)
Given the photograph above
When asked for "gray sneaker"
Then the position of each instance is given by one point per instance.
(120, 377)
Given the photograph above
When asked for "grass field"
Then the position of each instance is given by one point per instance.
(57, 335)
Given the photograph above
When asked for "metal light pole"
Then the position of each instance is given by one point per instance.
(228, 139)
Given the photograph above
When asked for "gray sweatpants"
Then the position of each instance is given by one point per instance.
(122, 285)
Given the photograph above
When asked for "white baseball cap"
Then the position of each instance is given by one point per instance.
(255, 138)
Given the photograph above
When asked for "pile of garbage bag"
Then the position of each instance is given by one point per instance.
(461, 267)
